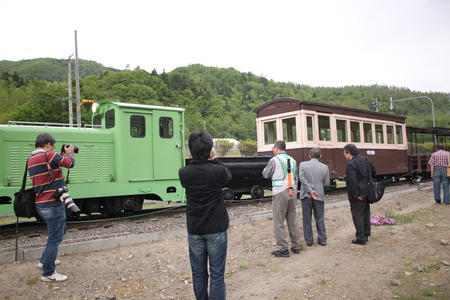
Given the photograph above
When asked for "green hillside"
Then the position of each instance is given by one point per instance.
(221, 100)
(51, 69)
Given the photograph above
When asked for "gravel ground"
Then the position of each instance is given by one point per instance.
(389, 266)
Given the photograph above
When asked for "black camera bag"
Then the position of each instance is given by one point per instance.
(24, 206)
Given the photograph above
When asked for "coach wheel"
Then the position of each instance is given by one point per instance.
(228, 194)
(257, 192)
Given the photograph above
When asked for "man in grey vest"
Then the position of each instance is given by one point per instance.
(314, 175)
(284, 196)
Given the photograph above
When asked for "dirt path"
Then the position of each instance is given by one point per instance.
(340, 270)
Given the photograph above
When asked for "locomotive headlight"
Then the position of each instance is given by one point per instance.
(94, 107)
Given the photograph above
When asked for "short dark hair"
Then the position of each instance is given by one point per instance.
(315, 152)
(43, 139)
(351, 148)
(280, 145)
(200, 144)
(440, 147)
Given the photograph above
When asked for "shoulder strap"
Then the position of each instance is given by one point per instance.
(369, 169)
(25, 175)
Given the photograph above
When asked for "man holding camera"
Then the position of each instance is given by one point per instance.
(46, 176)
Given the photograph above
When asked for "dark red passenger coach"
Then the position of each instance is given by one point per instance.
(305, 124)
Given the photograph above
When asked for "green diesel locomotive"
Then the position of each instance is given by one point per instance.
(131, 152)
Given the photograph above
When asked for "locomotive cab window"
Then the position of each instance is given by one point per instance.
(137, 126)
(110, 120)
(289, 130)
(97, 119)
(165, 127)
(270, 132)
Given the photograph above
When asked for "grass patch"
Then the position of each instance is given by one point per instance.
(32, 281)
(244, 266)
(400, 219)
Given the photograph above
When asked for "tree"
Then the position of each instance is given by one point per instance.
(223, 146)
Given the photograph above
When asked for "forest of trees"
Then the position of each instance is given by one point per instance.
(221, 100)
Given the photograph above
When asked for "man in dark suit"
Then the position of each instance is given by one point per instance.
(359, 168)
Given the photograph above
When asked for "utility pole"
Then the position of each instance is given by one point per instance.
(77, 80)
(69, 87)
(204, 125)
(376, 104)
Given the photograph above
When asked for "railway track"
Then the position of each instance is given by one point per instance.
(147, 221)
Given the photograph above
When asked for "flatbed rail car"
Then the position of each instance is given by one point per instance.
(305, 124)
(133, 152)
(418, 158)
(246, 178)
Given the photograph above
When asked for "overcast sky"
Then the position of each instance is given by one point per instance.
(405, 43)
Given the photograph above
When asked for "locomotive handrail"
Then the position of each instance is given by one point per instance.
(52, 124)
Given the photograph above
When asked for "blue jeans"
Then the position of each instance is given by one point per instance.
(212, 248)
(55, 218)
(440, 177)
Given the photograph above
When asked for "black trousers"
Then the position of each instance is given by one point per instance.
(361, 218)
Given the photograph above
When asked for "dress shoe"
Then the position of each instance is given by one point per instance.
(358, 242)
(321, 243)
(280, 253)
(295, 251)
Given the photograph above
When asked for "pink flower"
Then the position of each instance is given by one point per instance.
(380, 220)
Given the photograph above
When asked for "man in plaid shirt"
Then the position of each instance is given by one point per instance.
(439, 161)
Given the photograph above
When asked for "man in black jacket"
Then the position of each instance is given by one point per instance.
(359, 169)
(206, 214)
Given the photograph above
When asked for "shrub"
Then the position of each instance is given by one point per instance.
(248, 148)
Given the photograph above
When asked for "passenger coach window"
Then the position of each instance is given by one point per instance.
(324, 128)
(390, 134)
(368, 138)
(355, 133)
(137, 126)
(270, 132)
(379, 134)
(341, 126)
(289, 130)
(109, 119)
(166, 127)
(309, 125)
(399, 132)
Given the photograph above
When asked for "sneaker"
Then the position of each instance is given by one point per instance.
(54, 277)
(41, 265)
(279, 253)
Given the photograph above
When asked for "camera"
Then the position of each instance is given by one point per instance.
(75, 148)
(63, 195)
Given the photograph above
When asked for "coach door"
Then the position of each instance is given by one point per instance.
(168, 143)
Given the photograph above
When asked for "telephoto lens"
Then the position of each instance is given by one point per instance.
(70, 205)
